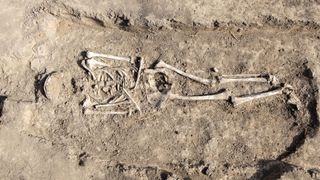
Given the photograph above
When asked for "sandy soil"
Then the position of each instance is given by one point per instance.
(43, 138)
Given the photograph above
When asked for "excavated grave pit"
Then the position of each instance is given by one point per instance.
(184, 139)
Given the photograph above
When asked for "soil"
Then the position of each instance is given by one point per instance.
(47, 136)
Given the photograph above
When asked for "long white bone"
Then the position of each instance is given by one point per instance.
(251, 79)
(92, 112)
(141, 64)
(221, 79)
(243, 99)
(263, 78)
(162, 64)
(90, 54)
(111, 104)
(225, 95)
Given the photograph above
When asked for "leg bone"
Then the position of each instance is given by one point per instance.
(243, 99)
(162, 64)
(219, 96)
(221, 79)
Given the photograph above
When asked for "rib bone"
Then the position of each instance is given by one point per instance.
(90, 54)
(92, 64)
(243, 99)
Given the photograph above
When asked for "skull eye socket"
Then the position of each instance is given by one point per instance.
(162, 82)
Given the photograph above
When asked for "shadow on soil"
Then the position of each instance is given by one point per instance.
(274, 169)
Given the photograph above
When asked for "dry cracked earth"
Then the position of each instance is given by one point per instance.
(43, 138)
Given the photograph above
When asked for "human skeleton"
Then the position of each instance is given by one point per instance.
(117, 85)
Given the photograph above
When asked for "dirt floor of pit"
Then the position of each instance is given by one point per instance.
(266, 139)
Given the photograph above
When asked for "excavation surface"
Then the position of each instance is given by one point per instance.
(47, 136)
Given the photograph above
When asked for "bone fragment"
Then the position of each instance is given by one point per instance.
(292, 97)
(154, 71)
(90, 54)
(273, 80)
(88, 103)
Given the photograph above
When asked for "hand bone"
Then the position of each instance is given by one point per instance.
(243, 99)
(90, 54)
